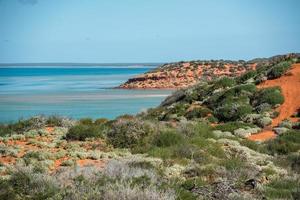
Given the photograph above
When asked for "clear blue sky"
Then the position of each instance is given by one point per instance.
(146, 30)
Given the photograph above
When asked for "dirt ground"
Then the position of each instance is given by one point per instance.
(290, 85)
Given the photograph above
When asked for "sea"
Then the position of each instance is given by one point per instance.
(74, 92)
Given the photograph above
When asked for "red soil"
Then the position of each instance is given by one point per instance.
(25, 146)
(183, 76)
(50, 129)
(87, 162)
(290, 85)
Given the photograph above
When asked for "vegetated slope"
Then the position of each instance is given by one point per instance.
(193, 146)
(48, 146)
(187, 73)
(251, 98)
(290, 85)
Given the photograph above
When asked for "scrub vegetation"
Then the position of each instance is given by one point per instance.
(193, 146)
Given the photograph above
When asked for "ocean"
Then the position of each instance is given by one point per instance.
(75, 92)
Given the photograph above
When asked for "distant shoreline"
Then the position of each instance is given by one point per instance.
(78, 64)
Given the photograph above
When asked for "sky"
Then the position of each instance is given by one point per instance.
(114, 31)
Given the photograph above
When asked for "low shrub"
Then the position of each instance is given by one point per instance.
(5, 130)
(128, 133)
(198, 112)
(101, 121)
(294, 162)
(233, 164)
(203, 130)
(26, 184)
(248, 75)
(179, 109)
(270, 96)
(224, 82)
(237, 94)
(54, 121)
(282, 189)
(285, 143)
(278, 70)
(167, 138)
(232, 111)
(231, 126)
(86, 121)
(82, 132)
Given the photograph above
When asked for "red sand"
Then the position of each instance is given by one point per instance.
(290, 85)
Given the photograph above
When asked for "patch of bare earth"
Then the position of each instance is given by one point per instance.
(290, 86)
(183, 75)
(26, 145)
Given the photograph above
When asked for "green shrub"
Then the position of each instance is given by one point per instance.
(5, 130)
(250, 144)
(282, 189)
(285, 143)
(212, 119)
(224, 82)
(233, 164)
(22, 126)
(231, 126)
(232, 111)
(248, 75)
(237, 94)
(101, 121)
(271, 96)
(179, 109)
(278, 70)
(86, 121)
(198, 112)
(54, 121)
(167, 138)
(203, 130)
(128, 133)
(294, 162)
(26, 184)
(81, 132)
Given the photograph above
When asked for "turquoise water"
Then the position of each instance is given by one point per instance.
(73, 92)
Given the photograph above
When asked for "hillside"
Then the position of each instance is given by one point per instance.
(185, 74)
(198, 144)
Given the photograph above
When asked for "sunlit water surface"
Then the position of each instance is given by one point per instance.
(73, 92)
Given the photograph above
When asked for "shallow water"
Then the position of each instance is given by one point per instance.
(73, 92)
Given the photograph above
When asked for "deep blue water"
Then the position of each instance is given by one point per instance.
(73, 92)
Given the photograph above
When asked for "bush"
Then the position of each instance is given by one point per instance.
(81, 132)
(231, 126)
(25, 125)
(179, 109)
(248, 75)
(167, 138)
(270, 96)
(224, 82)
(233, 164)
(282, 189)
(26, 184)
(232, 112)
(285, 143)
(203, 130)
(5, 130)
(86, 121)
(128, 133)
(54, 121)
(237, 94)
(294, 162)
(278, 70)
(199, 112)
(101, 121)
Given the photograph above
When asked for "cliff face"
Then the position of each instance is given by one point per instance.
(185, 74)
